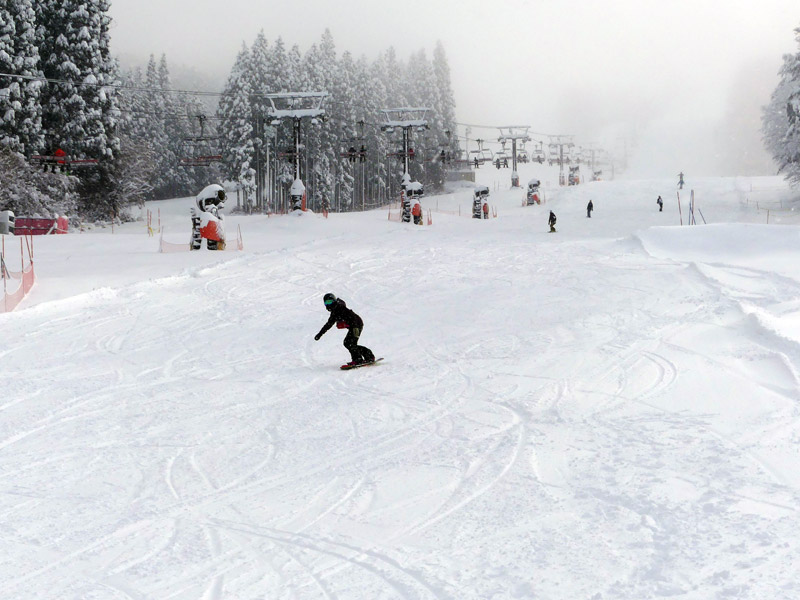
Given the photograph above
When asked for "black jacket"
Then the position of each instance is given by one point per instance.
(341, 314)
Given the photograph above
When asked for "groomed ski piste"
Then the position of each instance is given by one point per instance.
(608, 412)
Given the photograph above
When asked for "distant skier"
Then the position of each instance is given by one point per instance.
(552, 222)
(589, 209)
(344, 318)
(680, 180)
(660, 203)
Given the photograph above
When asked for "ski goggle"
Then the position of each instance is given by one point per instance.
(329, 301)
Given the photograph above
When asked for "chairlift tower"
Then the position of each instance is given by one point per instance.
(514, 133)
(407, 120)
(562, 141)
(296, 106)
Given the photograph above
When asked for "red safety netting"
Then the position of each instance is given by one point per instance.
(12, 299)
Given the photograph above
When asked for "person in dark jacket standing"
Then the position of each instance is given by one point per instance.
(660, 203)
(589, 209)
(344, 318)
(552, 222)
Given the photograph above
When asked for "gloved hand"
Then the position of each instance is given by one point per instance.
(316, 337)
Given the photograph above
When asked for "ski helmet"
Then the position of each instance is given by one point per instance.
(328, 299)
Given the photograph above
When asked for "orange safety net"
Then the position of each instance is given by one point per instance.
(11, 300)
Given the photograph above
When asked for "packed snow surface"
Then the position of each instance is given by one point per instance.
(608, 412)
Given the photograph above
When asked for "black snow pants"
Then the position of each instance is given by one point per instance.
(358, 354)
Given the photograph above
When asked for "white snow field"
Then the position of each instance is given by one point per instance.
(608, 412)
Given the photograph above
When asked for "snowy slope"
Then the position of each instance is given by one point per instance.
(606, 412)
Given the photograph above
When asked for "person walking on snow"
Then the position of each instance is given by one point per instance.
(552, 222)
(344, 318)
(589, 209)
(660, 203)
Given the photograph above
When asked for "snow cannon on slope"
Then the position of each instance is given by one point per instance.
(298, 194)
(533, 196)
(207, 222)
(480, 202)
(574, 175)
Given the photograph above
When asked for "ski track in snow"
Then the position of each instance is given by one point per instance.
(588, 415)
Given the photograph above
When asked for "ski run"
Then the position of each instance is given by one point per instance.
(608, 412)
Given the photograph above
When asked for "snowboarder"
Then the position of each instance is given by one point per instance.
(345, 318)
(660, 203)
(552, 222)
(589, 209)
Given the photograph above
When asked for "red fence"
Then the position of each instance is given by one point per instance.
(39, 226)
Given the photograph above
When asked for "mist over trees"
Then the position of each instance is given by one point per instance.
(358, 89)
(781, 118)
(163, 119)
(62, 90)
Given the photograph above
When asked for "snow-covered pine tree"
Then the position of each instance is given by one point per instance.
(182, 179)
(262, 134)
(31, 192)
(236, 123)
(20, 110)
(341, 124)
(320, 66)
(298, 82)
(781, 118)
(447, 101)
(154, 128)
(136, 163)
(370, 88)
(393, 78)
(279, 81)
(422, 88)
(279, 74)
(79, 102)
(80, 107)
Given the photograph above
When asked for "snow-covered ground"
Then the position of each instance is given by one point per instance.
(608, 412)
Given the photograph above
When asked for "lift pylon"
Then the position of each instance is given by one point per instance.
(407, 119)
(296, 106)
(514, 133)
(559, 142)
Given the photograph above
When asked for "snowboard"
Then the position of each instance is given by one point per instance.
(348, 367)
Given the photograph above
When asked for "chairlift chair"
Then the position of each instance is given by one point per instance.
(200, 150)
(61, 161)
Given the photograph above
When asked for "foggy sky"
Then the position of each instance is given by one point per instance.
(680, 80)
